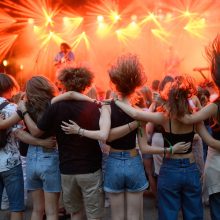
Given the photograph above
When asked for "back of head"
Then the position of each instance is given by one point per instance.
(76, 78)
(178, 94)
(7, 83)
(127, 74)
(164, 81)
(155, 84)
(39, 92)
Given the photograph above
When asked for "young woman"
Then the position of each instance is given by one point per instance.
(124, 178)
(43, 175)
(179, 184)
(212, 165)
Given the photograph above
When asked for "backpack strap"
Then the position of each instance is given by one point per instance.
(4, 104)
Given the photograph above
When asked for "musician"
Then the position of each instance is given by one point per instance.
(65, 57)
(172, 62)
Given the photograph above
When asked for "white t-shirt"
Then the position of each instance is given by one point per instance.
(9, 155)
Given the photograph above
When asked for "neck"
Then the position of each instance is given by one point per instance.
(125, 99)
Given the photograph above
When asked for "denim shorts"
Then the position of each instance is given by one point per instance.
(43, 169)
(13, 182)
(124, 172)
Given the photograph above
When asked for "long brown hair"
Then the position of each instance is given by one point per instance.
(39, 92)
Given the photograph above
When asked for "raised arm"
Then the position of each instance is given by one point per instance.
(204, 134)
(137, 114)
(9, 122)
(203, 114)
(71, 95)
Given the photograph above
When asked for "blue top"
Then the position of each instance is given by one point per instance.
(62, 57)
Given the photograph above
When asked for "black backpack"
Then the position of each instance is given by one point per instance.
(3, 133)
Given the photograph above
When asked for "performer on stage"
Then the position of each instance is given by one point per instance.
(65, 57)
(172, 63)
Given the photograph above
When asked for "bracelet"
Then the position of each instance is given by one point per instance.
(82, 132)
(164, 152)
(129, 127)
(19, 112)
(78, 131)
(24, 113)
(171, 149)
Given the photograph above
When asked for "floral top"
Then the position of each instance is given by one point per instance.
(9, 155)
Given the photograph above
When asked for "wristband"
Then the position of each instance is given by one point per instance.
(19, 112)
(171, 149)
(24, 113)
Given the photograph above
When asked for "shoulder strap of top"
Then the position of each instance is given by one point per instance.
(4, 104)
(170, 125)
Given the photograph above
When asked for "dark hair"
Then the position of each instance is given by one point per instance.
(155, 84)
(178, 94)
(7, 83)
(213, 55)
(203, 95)
(127, 74)
(76, 78)
(165, 80)
(65, 45)
(39, 92)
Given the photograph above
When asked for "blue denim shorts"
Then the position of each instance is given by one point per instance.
(43, 169)
(13, 182)
(124, 172)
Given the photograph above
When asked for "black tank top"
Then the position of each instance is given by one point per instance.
(171, 138)
(118, 118)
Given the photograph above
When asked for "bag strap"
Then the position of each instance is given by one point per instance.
(4, 104)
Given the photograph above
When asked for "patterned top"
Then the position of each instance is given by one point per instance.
(9, 155)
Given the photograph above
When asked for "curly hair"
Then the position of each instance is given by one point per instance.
(7, 83)
(39, 92)
(213, 55)
(178, 95)
(76, 79)
(127, 74)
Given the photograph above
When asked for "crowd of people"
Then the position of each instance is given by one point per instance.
(82, 150)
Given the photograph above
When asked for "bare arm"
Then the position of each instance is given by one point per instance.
(9, 122)
(121, 131)
(145, 148)
(204, 134)
(32, 127)
(155, 117)
(29, 139)
(71, 95)
(203, 114)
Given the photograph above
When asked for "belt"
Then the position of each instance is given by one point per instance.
(133, 152)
